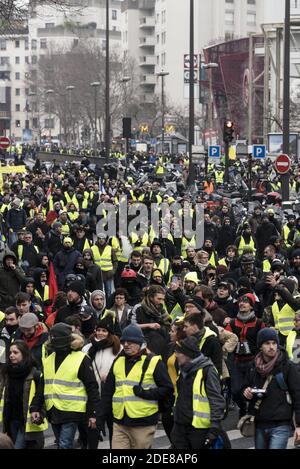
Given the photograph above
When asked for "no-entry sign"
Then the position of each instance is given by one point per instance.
(282, 164)
(4, 142)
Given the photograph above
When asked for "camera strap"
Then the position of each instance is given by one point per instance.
(267, 382)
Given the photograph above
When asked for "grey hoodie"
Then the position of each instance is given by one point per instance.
(183, 412)
(98, 312)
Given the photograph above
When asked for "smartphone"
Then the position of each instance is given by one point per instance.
(174, 279)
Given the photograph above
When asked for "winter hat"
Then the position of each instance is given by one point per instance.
(56, 225)
(221, 270)
(276, 264)
(68, 240)
(60, 335)
(106, 323)
(155, 243)
(296, 253)
(250, 298)
(194, 300)
(244, 282)
(77, 287)
(267, 334)
(28, 320)
(288, 283)
(134, 334)
(189, 347)
(191, 277)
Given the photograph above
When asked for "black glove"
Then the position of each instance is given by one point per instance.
(138, 391)
(101, 428)
(212, 436)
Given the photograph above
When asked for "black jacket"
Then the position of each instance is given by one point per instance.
(212, 349)
(183, 411)
(161, 392)
(274, 409)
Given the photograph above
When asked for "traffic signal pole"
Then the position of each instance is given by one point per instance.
(285, 179)
(226, 152)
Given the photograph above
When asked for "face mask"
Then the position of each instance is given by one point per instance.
(11, 328)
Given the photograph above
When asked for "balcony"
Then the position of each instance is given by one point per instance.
(147, 60)
(147, 22)
(147, 80)
(148, 41)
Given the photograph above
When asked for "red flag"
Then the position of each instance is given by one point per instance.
(52, 287)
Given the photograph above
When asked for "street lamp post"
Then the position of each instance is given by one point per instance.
(191, 177)
(210, 66)
(107, 90)
(70, 88)
(163, 74)
(125, 80)
(48, 93)
(95, 85)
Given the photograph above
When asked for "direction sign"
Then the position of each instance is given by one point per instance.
(186, 61)
(186, 76)
(259, 151)
(283, 164)
(214, 151)
(4, 142)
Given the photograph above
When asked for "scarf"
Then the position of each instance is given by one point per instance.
(156, 313)
(246, 317)
(263, 368)
(98, 345)
(19, 370)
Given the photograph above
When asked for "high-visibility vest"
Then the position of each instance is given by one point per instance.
(275, 186)
(293, 186)
(124, 399)
(72, 199)
(185, 243)
(160, 170)
(212, 260)
(45, 295)
(51, 203)
(104, 260)
(29, 426)
(63, 390)
(172, 372)
(290, 343)
(73, 216)
(21, 248)
(223, 262)
(2, 316)
(201, 407)
(135, 239)
(65, 229)
(219, 177)
(284, 318)
(243, 245)
(164, 265)
(266, 265)
(117, 246)
(86, 245)
(208, 333)
(286, 231)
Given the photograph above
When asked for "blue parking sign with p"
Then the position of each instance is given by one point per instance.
(259, 151)
(214, 151)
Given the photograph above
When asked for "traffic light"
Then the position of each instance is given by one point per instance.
(228, 131)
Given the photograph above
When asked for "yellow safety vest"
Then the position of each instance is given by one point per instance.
(201, 407)
(29, 427)
(2, 316)
(124, 399)
(65, 229)
(219, 177)
(290, 342)
(172, 372)
(212, 260)
(20, 250)
(185, 243)
(119, 253)
(144, 243)
(208, 333)
(86, 245)
(286, 231)
(104, 260)
(63, 389)
(223, 262)
(72, 199)
(284, 318)
(266, 265)
(73, 216)
(45, 295)
(160, 170)
(243, 245)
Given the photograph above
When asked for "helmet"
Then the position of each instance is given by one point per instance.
(128, 273)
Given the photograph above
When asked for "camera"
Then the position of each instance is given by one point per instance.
(260, 393)
(243, 349)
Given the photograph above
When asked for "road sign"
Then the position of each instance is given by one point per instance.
(186, 76)
(259, 151)
(187, 61)
(214, 151)
(4, 142)
(282, 164)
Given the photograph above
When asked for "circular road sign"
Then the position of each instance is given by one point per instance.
(4, 142)
(282, 164)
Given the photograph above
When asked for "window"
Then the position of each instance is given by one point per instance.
(229, 17)
(26, 124)
(43, 43)
(157, 18)
(114, 28)
(251, 19)
(157, 60)
(33, 74)
(2, 44)
(163, 59)
(17, 76)
(26, 91)
(75, 42)
(17, 43)
(163, 16)
(228, 1)
(33, 44)
(17, 60)
(26, 59)
(26, 43)
(114, 14)
(17, 107)
(49, 124)
(163, 38)
(157, 38)
(49, 25)
(4, 60)
(18, 123)
(34, 59)
(18, 92)
(251, 2)
(34, 122)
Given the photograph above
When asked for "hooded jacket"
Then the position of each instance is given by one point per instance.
(98, 312)
(35, 344)
(64, 263)
(10, 282)
(93, 276)
(183, 411)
